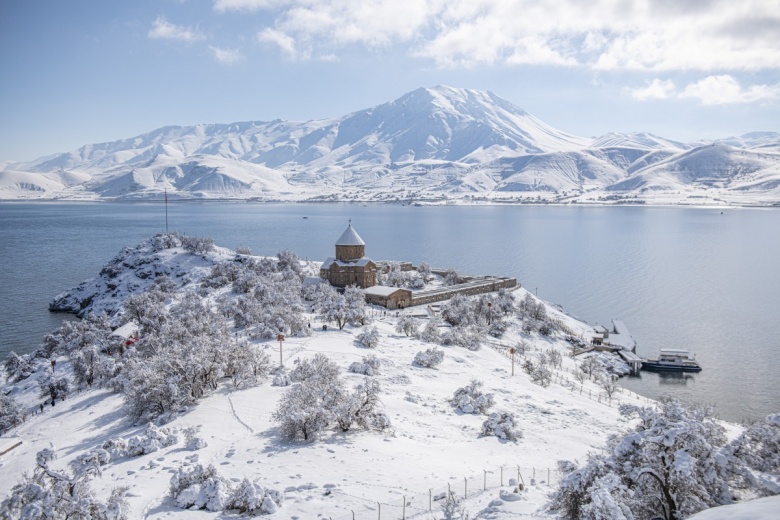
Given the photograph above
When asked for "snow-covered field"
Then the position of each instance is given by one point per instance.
(429, 449)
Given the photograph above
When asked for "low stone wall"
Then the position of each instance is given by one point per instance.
(474, 286)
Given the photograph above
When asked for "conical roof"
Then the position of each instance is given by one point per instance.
(350, 238)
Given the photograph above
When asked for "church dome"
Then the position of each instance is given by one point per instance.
(350, 238)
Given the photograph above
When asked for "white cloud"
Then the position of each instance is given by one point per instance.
(281, 40)
(725, 90)
(657, 89)
(227, 56)
(660, 35)
(713, 90)
(164, 30)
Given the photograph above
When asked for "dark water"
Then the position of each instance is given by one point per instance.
(679, 277)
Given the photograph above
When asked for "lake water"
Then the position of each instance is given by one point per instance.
(690, 278)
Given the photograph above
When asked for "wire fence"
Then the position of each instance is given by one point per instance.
(424, 503)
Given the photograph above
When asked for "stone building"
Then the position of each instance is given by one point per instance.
(389, 297)
(350, 266)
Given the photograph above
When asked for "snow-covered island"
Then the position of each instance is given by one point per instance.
(205, 382)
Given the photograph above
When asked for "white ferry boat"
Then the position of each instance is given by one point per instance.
(672, 360)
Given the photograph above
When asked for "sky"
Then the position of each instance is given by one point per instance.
(90, 71)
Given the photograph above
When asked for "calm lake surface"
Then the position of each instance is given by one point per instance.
(690, 278)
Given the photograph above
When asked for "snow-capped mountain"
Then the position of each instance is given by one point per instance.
(431, 143)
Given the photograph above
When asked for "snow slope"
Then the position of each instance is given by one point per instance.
(429, 447)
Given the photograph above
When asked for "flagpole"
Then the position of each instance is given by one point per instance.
(166, 209)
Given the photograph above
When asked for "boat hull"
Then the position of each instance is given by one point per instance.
(652, 366)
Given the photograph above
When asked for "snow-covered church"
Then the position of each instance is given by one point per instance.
(350, 266)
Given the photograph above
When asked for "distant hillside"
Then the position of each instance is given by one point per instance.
(430, 145)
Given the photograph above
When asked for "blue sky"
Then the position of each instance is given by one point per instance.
(88, 71)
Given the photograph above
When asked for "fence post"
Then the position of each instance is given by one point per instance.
(465, 487)
(484, 480)
(534, 475)
(548, 477)
(403, 514)
(520, 476)
(430, 500)
(379, 510)
(502, 476)
(353, 514)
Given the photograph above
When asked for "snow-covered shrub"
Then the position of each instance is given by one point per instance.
(555, 358)
(429, 358)
(162, 241)
(319, 367)
(115, 447)
(309, 406)
(408, 325)
(462, 337)
(282, 378)
(360, 407)
(539, 373)
(58, 495)
(502, 425)
(199, 245)
(90, 462)
(458, 311)
(254, 499)
(53, 385)
(11, 413)
(470, 399)
(451, 277)
(204, 488)
(200, 488)
(756, 457)
(192, 440)
(17, 367)
(431, 332)
(151, 440)
(452, 509)
(369, 338)
(368, 366)
(244, 250)
(672, 463)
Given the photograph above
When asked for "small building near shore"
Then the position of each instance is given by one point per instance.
(350, 266)
(389, 297)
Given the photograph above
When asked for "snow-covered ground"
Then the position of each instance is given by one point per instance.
(429, 449)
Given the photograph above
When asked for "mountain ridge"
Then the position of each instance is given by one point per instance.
(429, 144)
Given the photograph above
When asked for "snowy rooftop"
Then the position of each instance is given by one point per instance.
(350, 238)
(382, 290)
(359, 262)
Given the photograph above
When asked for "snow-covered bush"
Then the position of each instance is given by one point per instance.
(756, 457)
(58, 495)
(368, 366)
(452, 509)
(502, 425)
(429, 358)
(319, 367)
(253, 499)
(17, 367)
(458, 311)
(199, 245)
(462, 337)
(11, 413)
(451, 277)
(192, 440)
(90, 462)
(204, 488)
(307, 408)
(282, 378)
(431, 332)
(471, 399)
(200, 488)
(408, 325)
(670, 466)
(53, 385)
(360, 408)
(115, 447)
(369, 338)
(151, 440)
